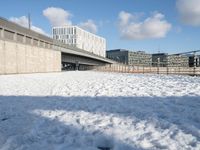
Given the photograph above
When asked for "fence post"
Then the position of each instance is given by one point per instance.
(194, 70)
(124, 68)
(118, 68)
(150, 68)
(157, 69)
(167, 67)
(143, 69)
(167, 70)
(158, 65)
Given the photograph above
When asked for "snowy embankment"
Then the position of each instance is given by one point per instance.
(90, 110)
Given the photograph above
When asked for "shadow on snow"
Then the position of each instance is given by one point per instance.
(18, 120)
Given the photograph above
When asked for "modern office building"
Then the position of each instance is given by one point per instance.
(140, 58)
(118, 55)
(159, 59)
(77, 37)
(164, 60)
(130, 57)
(194, 61)
(178, 61)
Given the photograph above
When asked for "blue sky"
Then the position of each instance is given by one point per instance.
(151, 25)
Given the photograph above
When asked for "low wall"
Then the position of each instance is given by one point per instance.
(21, 58)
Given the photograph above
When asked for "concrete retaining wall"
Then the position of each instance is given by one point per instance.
(22, 58)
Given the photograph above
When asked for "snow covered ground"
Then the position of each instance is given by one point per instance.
(87, 110)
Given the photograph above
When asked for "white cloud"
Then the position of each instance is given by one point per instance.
(189, 11)
(89, 25)
(152, 27)
(57, 16)
(125, 17)
(61, 17)
(23, 21)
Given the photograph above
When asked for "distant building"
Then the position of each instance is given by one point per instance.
(119, 55)
(77, 37)
(140, 58)
(130, 57)
(194, 61)
(159, 58)
(164, 60)
(178, 61)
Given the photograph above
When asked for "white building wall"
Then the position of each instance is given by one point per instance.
(75, 36)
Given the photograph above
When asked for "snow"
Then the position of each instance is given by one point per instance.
(93, 110)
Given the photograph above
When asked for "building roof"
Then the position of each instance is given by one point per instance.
(117, 50)
(124, 50)
(158, 54)
(70, 26)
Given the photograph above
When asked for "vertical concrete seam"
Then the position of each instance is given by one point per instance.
(4, 50)
(17, 60)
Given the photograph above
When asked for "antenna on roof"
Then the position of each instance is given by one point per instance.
(29, 21)
(159, 49)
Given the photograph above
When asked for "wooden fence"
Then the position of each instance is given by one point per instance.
(194, 71)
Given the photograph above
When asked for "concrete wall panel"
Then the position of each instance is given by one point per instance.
(10, 58)
(56, 58)
(29, 63)
(42, 60)
(21, 58)
(2, 57)
(35, 59)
